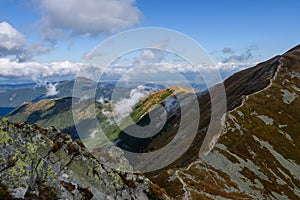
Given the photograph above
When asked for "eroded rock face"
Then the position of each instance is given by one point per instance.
(46, 163)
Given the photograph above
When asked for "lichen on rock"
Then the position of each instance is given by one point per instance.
(45, 163)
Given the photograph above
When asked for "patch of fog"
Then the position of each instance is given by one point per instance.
(51, 89)
(12, 97)
(288, 97)
(124, 107)
(100, 100)
(103, 100)
(266, 119)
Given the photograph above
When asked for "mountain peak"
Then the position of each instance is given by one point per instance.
(296, 48)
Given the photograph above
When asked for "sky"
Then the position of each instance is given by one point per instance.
(49, 38)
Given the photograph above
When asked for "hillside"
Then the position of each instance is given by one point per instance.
(52, 112)
(57, 112)
(257, 157)
(256, 154)
(39, 163)
(151, 111)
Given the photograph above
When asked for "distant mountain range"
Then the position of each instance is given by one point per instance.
(13, 96)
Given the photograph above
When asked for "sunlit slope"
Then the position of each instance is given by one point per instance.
(58, 112)
(54, 112)
(258, 155)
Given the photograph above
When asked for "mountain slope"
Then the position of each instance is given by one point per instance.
(257, 157)
(237, 86)
(41, 163)
(51, 112)
(58, 112)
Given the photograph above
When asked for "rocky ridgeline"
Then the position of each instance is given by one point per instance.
(41, 163)
(257, 157)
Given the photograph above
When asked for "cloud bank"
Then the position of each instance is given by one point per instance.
(56, 71)
(36, 70)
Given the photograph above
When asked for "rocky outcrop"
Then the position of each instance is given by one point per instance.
(39, 163)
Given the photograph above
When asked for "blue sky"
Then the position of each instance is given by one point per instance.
(230, 31)
(270, 25)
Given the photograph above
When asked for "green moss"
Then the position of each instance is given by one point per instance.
(4, 137)
(5, 120)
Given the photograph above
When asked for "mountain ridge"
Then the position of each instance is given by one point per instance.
(257, 156)
(39, 163)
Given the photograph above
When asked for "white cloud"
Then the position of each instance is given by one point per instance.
(149, 56)
(51, 90)
(13, 44)
(155, 54)
(156, 72)
(11, 41)
(36, 70)
(89, 17)
(234, 65)
(124, 107)
(246, 56)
